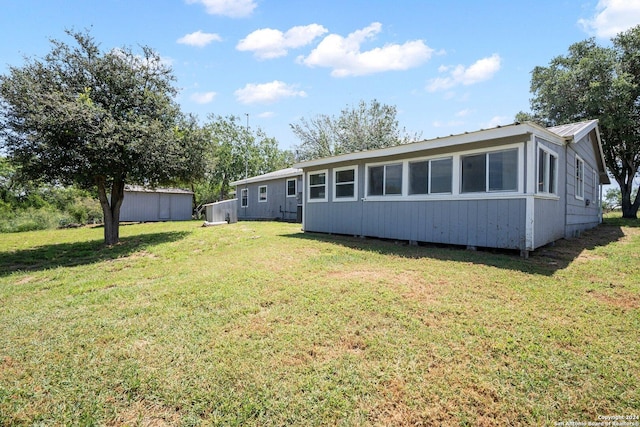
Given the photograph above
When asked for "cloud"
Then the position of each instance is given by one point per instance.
(450, 123)
(498, 121)
(481, 70)
(267, 115)
(199, 39)
(344, 56)
(464, 113)
(612, 17)
(230, 8)
(267, 93)
(203, 98)
(268, 43)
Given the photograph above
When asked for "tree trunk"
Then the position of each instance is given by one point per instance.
(629, 208)
(111, 209)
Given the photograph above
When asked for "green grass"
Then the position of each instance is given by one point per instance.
(259, 324)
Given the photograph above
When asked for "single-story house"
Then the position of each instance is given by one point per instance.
(143, 204)
(273, 196)
(519, 187)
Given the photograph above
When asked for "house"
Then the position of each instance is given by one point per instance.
(142, 204)
(273, 196)
(519, 187)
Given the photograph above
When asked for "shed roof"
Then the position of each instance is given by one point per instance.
(279, 174)
(142, 189)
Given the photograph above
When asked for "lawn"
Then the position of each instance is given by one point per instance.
(260, 324)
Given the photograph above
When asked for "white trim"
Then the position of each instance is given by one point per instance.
(244, 190)
(531, 187)
(260, 194)
(326, 185)
(354, 198)
(295, 187)
(547, 165)
(575, 178)
(520, 178)
(430, 160)
(403, 187)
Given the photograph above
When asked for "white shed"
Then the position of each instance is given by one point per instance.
(142, 204)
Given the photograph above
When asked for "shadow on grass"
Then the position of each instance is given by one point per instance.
(545, 260)
(79, 253)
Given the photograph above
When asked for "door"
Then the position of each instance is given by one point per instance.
(165, 207)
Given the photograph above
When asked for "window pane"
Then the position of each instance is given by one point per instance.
(345, 176)
(474, 173)
(291, 187)
(542, 166)
(344, 190)
(503, 170)
(552, 174)
(441, 175)
(244, 195)
(317, 179)
(376, 178)
(317, 192)
(419, 177)
(393, 179)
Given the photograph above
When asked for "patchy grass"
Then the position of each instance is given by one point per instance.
(259, 324)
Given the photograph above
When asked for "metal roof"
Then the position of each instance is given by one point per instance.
(574, 130)
(282, 173)
(142, 189)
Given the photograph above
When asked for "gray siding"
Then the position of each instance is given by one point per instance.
(549, 212)
(224, 211)
(278, 205)
(156, 206)
(581, 214)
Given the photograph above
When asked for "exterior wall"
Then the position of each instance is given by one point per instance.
(549, 210)
(155, 206)
(224, 211)
(277, 207)
(582, 214)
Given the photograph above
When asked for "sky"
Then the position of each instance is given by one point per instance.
(447, 66)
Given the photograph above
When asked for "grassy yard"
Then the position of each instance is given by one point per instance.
(259, 324)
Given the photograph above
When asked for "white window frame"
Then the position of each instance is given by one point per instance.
(326, 186)
(353, 198)
(548, 155)
(579, 178)
(295, 187)
(244, 198)
(430, 160)
(260, 200)
(487, 153)
(403, 189)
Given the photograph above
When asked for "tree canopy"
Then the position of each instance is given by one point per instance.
(97, 119)
(596, 82)
(364, 127)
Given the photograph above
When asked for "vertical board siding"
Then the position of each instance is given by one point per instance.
(149, 206)
(277, 207)
(579, 216)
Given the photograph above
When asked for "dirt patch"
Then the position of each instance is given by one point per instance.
(25, 280)
(146, 414)
(623, 300)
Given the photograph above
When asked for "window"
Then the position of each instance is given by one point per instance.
(579, 178)
(547, 171)
(430, 176)
(495, 171)
(317, 186)
(385, 180)
(291, 187)
(262, 193)
(244, 197)
(345, 184)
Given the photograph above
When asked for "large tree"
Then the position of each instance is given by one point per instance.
(596, 82)
(97, 119)
(364, 127)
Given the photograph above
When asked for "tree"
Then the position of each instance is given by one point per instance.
(235, 152)
(365, 127)
(97, 119)
(595, 82)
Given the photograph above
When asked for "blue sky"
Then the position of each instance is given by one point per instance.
(448, 67)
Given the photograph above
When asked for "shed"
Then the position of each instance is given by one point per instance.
(143, 204)
(519, 186)
(272, 196)
(225, 211)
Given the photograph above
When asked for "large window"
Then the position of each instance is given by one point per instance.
(547, 172)
(244, 197)
(345, 184)
(291, 187)
(317, 186)
(262, 193)
(384, 180)
(495, 171)
(430, 176)
(579, 178)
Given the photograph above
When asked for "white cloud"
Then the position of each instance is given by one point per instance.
(203, 98)
(450, 123)
(481, 70)
(268, 43)
(267, 93)
(267, 115)
(230, 8)
(199, 39)
(498, 121)
(344, 56)
(612, 17)
(464, 113)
